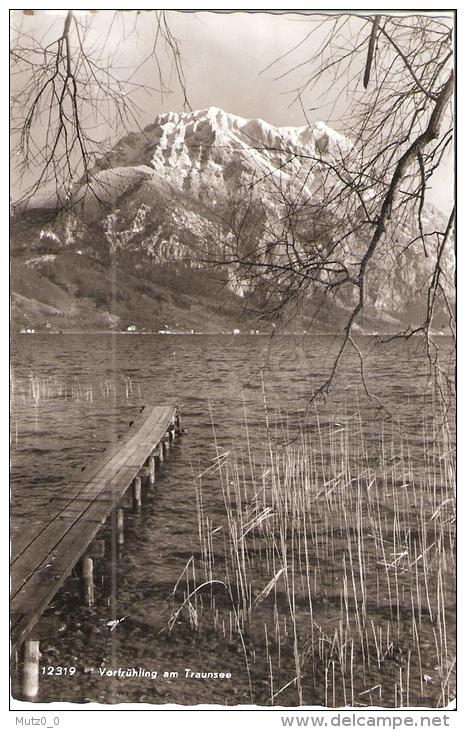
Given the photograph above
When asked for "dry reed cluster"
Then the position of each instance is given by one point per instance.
(332, 566)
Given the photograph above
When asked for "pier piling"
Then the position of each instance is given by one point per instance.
(88, 579)
(30, 674)
(120, 526)
(137, 493)
(151, 465)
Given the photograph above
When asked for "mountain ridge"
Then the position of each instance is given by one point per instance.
(162, 208)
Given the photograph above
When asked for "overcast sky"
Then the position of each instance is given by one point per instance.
(225, 58)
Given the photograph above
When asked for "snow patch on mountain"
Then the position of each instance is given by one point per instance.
(200, 141)
(210, 152)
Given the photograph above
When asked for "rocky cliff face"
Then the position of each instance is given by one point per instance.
(167, 203)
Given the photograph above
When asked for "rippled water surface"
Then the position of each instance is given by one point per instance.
(74, 394)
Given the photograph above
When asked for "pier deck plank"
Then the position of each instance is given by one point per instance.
(43, 561)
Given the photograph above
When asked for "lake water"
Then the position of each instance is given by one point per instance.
(74, 394)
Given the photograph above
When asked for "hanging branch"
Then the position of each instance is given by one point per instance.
(370, 50)
(70, 103)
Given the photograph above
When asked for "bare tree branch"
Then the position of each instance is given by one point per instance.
(70, 101)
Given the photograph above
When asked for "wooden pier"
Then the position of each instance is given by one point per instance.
(43, 560)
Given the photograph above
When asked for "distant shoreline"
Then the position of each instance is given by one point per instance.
(217, 334)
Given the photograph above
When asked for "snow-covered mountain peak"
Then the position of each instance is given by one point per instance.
(208, 150)
(250, 132)
(191, 185)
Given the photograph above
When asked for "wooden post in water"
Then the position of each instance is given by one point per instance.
(151, 465)
(15, 662)
(88, 579)
(144, 474)
(96, 549)
(120, 526)
(137, 493)
(160, 452)
(127, 499)
(177, 425)
(30, 678)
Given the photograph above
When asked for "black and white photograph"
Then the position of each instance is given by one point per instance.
(232, 359)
